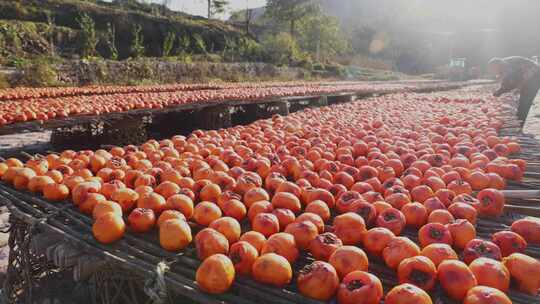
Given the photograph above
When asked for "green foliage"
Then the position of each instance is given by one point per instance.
(11, 38)
(4, 82)
(110, 40)
(168, 44)
(184, 43)
(89, 36)
(282, 49)
(39, 73)
(289, 12)
(137, 44)
(249, 49)
(49, 32)
(229, 50)
(321, 35)
(200, 45)
(216, 7)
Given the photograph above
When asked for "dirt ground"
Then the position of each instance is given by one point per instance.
(532, 126)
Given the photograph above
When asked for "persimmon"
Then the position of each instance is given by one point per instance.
(509, 242)
(407, 294)
(169, 215)
(272, 269)
(415, 214)
(167, 189)
(216, 274)
(108, 228)
(439, 252)
(235, 209)
(255, 195)
(485, 295)
(463, 211)
(182, 203)
(265, 223)
(318, 280)
(350, 228)
(110, 187)
(106, 207)
(398, 249)
(455, 278)
(312, 217)
(347, 201)
(55, 192)
(347, 259)
(205, 213)
(256, 239)
(376, 239)
(259, 207)
(445, 196)
(491, 202)
(243, 255)
(209, 242)
(434, 233)
(324, 245)
(421, 193)
(229, 227)
(462, 232)
(56, 175)
(392, 219)
(441, 216)
(284, 216)
(36, 183)
(432, 204)
(152, 201)
(320, 208)
(368, 212)
(92, 199)
(419, 271)
(282, 244)
(380, 206)
(478, 180)
(491, 273)
(476, 248)
(360, 287)
(528, 228)
(525, 271)
(303, 232)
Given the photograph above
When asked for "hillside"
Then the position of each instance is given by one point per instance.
(156, 22)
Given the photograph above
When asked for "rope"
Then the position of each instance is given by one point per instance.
(155, 287)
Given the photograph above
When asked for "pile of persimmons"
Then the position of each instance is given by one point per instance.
(43, 104)
(338, 183)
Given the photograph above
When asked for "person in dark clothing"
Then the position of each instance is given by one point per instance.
(517, 73)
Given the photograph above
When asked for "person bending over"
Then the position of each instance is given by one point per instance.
(517, 73)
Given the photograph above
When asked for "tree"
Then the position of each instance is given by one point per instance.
(89, 35)
(249, 17)
(110, 39)
(168, 44)
(137, 45)
(216, 7)
(282, 48)
(290, 11)
(321, 35)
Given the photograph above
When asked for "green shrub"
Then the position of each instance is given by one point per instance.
(4, 82)
(110, 40)
(184, 43)
(168, 44)
(282, 49)
(200, 45)
(89, 35)
(39, 73)
(137, 45)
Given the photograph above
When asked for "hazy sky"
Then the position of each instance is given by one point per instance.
(198, 7)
